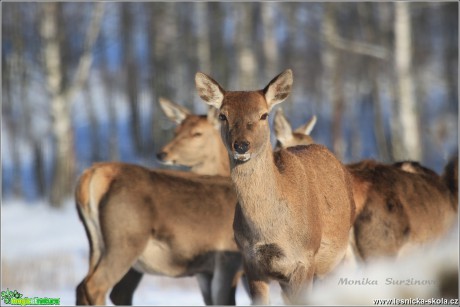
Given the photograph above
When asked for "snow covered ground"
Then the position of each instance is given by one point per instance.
(45, 254)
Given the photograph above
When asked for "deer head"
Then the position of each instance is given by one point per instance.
(286, 137)
(194, 137)
(243, 115)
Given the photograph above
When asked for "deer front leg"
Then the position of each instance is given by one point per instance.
(204, 281)
(299, 284)
(258, 286)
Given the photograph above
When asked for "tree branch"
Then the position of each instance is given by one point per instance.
(332, 37)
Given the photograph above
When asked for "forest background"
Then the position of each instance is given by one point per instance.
(81, 81)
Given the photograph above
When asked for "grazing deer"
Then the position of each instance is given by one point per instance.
(295, 206)
(398, 205)
(159, 222)
(196, 143)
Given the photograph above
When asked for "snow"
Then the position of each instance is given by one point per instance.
(45, 254)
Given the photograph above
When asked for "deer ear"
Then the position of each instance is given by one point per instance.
(283, 131)
(279, 88)
(209, 90)
(213, 117)
(308, 127)
(173, 111)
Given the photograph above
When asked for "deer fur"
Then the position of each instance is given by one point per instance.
(295, 206)
(398, 205)
(160, 222)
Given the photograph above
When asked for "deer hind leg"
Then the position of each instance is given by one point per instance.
(123, 245)
(204, 281)
(110, 269)
(122, 293)
(223, 286)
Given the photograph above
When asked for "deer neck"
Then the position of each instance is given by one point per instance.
(256, 181)
(216, 163)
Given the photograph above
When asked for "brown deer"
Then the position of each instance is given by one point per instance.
(295, 206)
(196, 143)
(398, 205)
(160, 222)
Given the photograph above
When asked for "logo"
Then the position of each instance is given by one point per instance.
(16, 298)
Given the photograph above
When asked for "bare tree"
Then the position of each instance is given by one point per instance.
(127, 28)
(93, 121)
(61, 96)
(10, 125)
(109, 97)
(244, 44)
(270, 46)
(333, 82)
(10, 71)
(408, 128)
(203, 41)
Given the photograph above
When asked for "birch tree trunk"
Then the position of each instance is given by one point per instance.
(244, 47)
(333, 83)
(61, 97)
(408, 129)
(109, 88)
(270, 47)
(203, 40)
(131, 72)
(10, 126)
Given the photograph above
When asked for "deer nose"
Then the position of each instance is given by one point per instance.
(161, 155)
(241, 147)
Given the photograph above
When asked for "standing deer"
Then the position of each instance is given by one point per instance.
(397, 206)
(196, 144)
(295, 206)
(215, 281)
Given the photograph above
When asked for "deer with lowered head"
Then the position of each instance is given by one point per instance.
(172, 205)
(295, 205)
(399, 206)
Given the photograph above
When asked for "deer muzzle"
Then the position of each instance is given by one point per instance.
(241, 150)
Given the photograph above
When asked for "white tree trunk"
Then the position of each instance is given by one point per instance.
(245, 47)
(407, 113)
(61, 97)
(332, 79)
(270, 47)
(203, 39)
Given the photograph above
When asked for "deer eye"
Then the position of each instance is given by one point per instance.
(222, 117)
(264, 116)
(196, 134)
